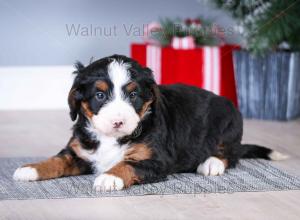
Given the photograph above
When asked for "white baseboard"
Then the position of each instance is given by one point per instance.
(35, 87)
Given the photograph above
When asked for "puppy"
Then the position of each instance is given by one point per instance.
(129, 130)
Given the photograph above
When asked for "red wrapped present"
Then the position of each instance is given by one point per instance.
(210, 68)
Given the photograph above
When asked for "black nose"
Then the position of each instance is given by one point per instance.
(118, 124)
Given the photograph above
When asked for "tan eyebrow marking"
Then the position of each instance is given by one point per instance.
(101, 85)
(131, 86)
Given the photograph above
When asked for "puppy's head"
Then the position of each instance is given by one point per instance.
(113, 93)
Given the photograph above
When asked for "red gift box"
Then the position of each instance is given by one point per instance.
(210, 68)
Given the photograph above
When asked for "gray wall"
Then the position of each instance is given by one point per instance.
(34, 32)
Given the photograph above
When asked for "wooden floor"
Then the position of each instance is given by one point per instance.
(43, 133)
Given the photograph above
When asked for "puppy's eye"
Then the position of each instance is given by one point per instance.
(132, 95)
(100, 96)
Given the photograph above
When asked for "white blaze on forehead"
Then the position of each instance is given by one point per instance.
(118, 74)
(118, 109)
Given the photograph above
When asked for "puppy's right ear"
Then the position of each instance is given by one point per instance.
(75, 97)
(74, 100)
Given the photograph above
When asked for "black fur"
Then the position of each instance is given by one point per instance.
(186, 125)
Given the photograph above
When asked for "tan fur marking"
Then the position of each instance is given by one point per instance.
(225, 161)
(101, 85)
(125, 172)
(55, 167)
(131, 86)
(138, 152)
(76, 147)
(220, 154)
(221, 146)
(145, 108)
(74, 143)
(86, 109)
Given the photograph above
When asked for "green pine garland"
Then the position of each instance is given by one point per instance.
(267, 24)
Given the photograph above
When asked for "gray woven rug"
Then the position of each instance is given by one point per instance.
(249, 176)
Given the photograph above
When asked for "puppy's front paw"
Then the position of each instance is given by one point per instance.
(211, 167)
(26, 174)
(107, 182)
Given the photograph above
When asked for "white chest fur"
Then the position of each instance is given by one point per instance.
(108, 154)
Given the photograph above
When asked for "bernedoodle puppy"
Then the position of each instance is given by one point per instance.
(129, 130)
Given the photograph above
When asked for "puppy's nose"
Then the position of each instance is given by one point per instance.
(117, 124)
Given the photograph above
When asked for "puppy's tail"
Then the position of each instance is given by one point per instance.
(256, 151)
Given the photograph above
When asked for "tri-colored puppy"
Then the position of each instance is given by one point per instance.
(129, 130)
